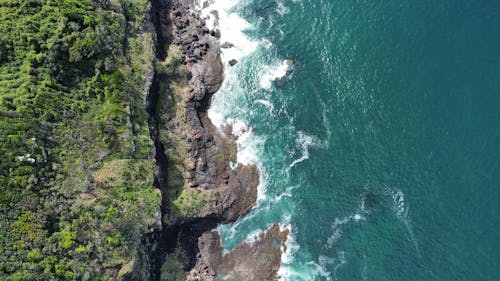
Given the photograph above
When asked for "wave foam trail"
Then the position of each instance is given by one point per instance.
(401, 209)
(267, 104)
(232, 28)
(274, 72)
(286, 193)
(318, 269)
(342, 261)
(282, 9)
(337, 230)
(305, 142)
(364, 270)
(286, 272)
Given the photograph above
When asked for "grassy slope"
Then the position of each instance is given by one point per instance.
(76, 183)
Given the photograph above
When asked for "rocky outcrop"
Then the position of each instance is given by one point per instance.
(209, 152)
(250, 261)
(214, 192)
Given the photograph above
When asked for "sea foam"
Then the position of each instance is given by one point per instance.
(231, 26)
(274, 72)
(305, 141)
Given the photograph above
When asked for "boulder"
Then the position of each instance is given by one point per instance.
(227, 45)
(288, 62)
(232, 62)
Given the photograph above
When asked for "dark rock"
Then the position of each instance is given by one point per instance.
(216, 14)
(288, 62)
(227, 45)
(197, 53)
(232, 62)
(255, 261)
(235, 191)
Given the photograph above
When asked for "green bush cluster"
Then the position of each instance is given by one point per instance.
(191, 201)
(72, 104)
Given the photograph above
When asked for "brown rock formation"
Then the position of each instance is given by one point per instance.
(208, 152)
(204, 167)
(255, 261)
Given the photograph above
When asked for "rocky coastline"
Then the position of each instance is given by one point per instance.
(199, 188)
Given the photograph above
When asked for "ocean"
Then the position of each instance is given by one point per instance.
(379, 147)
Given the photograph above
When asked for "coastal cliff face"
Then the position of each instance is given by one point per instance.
(112, 169)
(200, 188)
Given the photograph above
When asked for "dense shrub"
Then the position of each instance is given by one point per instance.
(71, 105)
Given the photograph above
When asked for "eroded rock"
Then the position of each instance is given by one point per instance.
(250, 261)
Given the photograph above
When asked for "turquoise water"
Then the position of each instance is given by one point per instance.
(380, 147)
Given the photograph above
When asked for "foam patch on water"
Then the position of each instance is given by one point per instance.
(249, 147)
(401, 209)
(231, 26)
(337, 228)
(273, 73)
(305, 141)
(324, 262)
(399, 203)
(281, 8)
(313, 270)
(364, 270)
(253, 236)
(286, 193)
(337, 231)
(287, 256)
(266, 104)
(341, 260)
(310, 270)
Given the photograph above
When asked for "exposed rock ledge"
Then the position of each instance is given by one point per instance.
(258, 260)
(232, 192)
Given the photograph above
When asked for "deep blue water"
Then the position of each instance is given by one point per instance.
(380, 148)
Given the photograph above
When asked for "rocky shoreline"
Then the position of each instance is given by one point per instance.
(202, 169)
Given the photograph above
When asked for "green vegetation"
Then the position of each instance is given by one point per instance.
(191, 201)
(184, 201)
(76, 182)
(172, 66)
(171, 270)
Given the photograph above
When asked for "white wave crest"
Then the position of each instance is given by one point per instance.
(274, 72)
(286, 272)
(401, 210)
(254, 236)
(231, 26)
(286, 193)
(399, 203)
(282, 9)
(337, 228)
(305, 142)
